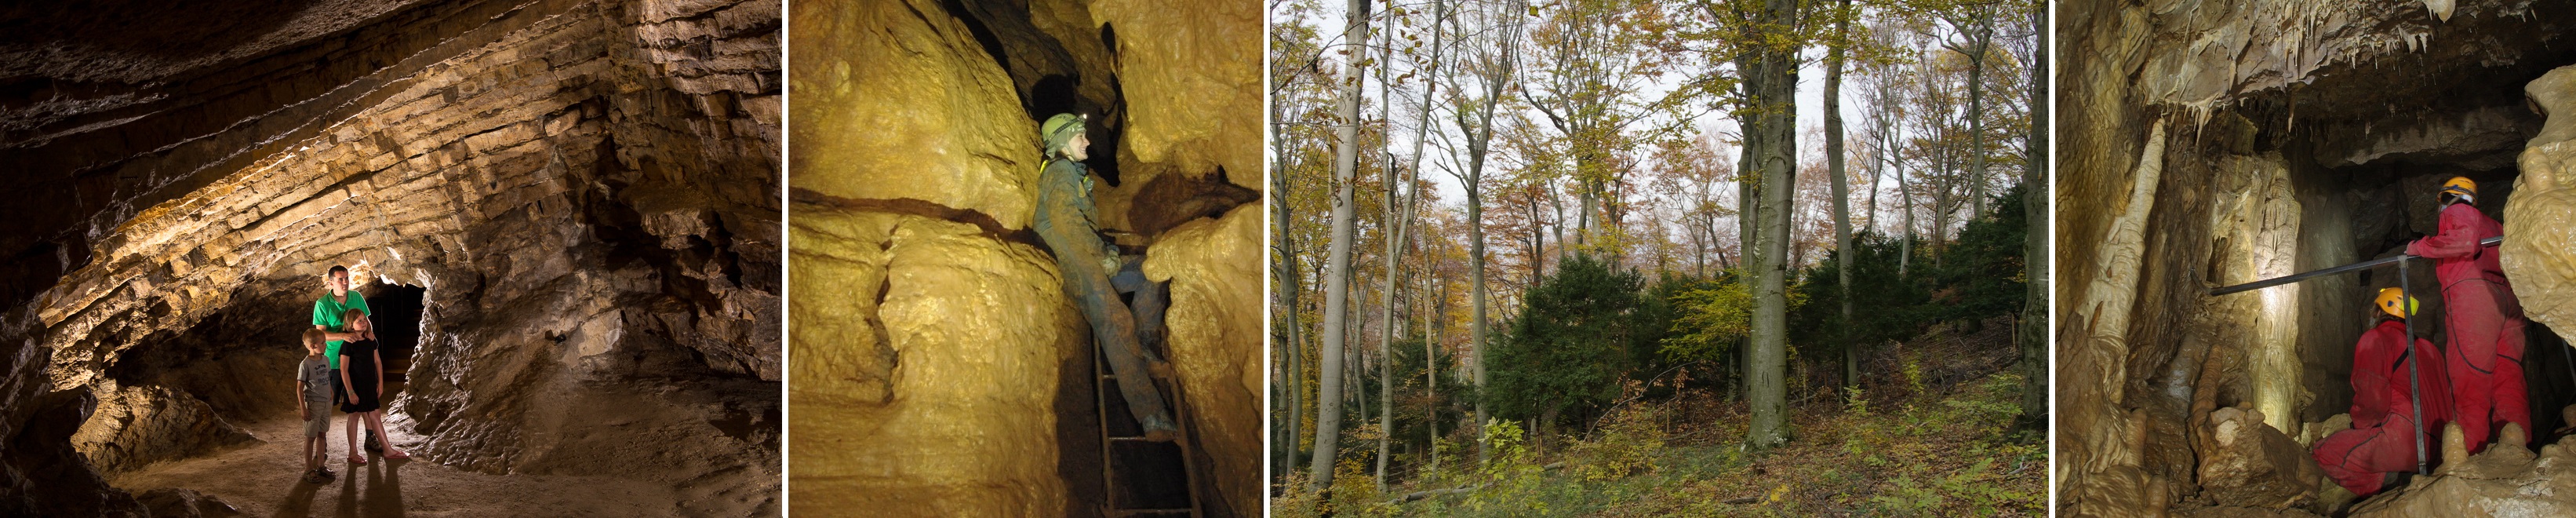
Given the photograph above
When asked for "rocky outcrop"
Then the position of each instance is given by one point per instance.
(1215, 338)
(2251, 464)
(2540, 220)
(140, 425)
(935, 364)
(2507, 479)
(586, 190)
(171, 502)
(940, 369)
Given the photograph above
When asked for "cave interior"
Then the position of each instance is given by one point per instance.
(2337, 167)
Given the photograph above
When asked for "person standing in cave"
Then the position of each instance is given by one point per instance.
(362, 379)
(2481, 316)
(336, 301)
(2381, 441)
(313, 388)
(1067, 221)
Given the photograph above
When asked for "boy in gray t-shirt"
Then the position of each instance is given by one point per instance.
(313, 404)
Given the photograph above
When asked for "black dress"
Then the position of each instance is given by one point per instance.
(360, 363)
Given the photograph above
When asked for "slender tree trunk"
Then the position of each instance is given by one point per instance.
(1904, 191)
(1496, 75)
(1396, 241)
(1288, 433)
(1841, 188)
(1337, 277)
(1983, 38)
(1431, 374)
(1773, 84)
(2035, 260)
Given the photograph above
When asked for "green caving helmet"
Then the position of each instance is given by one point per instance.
(1057, 131)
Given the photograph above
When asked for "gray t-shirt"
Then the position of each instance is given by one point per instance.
(314, 375)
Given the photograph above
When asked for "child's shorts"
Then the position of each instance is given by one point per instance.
(320, 423)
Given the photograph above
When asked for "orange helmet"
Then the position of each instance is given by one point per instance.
(2460, 185)
(2387, 302)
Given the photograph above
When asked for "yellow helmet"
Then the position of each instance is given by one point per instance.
(2387, 302)
(2460, 185)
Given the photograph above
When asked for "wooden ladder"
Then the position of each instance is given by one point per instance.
(1123, 445)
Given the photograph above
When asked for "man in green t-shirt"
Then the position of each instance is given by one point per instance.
(327, 312)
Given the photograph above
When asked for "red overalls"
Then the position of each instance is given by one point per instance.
(2382, 438)
(2484, 323)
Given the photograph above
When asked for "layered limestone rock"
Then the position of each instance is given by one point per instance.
(586, 190)
(2540, 220)
(940, 368)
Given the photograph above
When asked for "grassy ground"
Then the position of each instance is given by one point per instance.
(1933, 443)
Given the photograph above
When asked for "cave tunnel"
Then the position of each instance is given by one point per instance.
(1169, 89)
(564, 214)
(2306, 149)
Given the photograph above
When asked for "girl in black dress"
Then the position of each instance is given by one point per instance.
(361, 377)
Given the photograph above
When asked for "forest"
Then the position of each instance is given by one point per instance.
(1628, 257)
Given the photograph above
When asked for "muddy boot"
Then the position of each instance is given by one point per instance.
(2332, 497)
(1159, 428)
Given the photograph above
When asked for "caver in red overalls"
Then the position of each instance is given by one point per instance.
(2382, 438)
(2482, 318)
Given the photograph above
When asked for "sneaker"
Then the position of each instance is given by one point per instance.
(316, 476)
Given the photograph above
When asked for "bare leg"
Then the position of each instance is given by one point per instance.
(354, 456)
(376, 422)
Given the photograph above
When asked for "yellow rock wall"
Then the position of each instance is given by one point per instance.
(2540, 219)
(927, 359)
(1215, 270)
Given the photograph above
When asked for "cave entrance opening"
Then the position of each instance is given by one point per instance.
(399, 314)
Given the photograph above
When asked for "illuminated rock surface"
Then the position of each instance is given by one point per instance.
(578, 198)
(2540, 251)
(940, 370)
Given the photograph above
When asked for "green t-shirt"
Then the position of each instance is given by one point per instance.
(327, 312)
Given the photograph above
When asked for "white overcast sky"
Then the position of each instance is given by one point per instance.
(1810, 103)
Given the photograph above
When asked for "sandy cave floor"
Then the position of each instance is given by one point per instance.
(262, 479)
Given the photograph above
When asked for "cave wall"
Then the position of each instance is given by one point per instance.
(2540, 252)
(586, 189)
(939, 368)
(2282, 137)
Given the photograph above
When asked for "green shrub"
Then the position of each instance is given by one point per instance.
(1627, 444)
